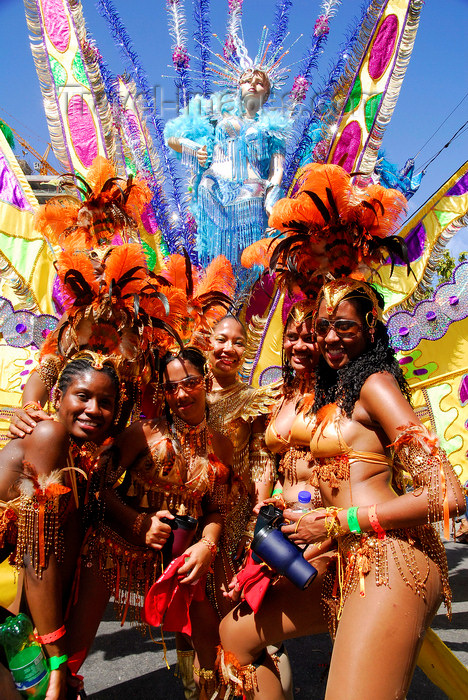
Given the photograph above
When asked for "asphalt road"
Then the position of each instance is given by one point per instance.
(125, 665)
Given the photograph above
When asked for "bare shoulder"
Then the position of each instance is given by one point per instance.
(380, 382)
(383, 400)
(47, 446)
(47, 433)
(136, 438)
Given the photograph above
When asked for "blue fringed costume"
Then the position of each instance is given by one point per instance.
(230, 193)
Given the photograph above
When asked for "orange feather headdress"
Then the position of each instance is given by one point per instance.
(205, 295)
(110, 206)
(329, 227)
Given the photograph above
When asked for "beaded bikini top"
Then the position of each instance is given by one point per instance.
(177, 471)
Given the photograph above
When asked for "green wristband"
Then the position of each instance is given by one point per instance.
(277, 492)
(353, 522)
(56, 661)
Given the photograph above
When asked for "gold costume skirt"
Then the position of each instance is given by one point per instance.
(127, 569)
(362, 560)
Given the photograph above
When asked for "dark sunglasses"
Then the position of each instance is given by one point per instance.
(342, 327)
(188, 384)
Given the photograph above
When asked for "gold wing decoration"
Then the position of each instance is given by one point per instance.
(261, 399)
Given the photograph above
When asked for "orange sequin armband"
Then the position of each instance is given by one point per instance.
(419, 454)
(39, 532)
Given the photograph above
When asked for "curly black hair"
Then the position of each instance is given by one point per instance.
(343, 386)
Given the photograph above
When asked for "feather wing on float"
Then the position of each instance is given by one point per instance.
(26, 284)
(349, 119)
(432, 344)
(61, 47)
(366, 107)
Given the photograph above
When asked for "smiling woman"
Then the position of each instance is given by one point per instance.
(238, 411)
(43, 484)
(158, 472)
(389, 564)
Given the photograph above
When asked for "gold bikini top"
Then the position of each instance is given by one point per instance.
(299, 434)
(273, 440)
(327, 441)
(302, 429)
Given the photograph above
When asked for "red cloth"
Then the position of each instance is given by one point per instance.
(254, 580)
(167, 602)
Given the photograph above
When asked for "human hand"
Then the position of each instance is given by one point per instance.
(202, 155)
(23, 422)
(158, 531)
(278, 502)
(57, 689)
(197, 562)
(305, 529)
(234, 590)
(272, 195)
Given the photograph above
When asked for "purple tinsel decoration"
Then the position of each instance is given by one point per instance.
(202, 36)
(299, 89)
(175, 235)
(280, 23)
(229, 47)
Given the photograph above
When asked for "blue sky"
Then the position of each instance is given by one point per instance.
(436, 79)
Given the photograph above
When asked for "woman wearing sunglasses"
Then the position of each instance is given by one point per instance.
(171, 466)
(390, 573)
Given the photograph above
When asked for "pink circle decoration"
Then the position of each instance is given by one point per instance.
(82, 130)
(56, 23)
(348, 145)
(383, 47)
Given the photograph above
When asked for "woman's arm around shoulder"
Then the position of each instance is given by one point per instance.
(223, 448)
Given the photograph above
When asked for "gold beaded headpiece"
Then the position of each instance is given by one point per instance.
(335, 291)
(301, 311)
(97, 362)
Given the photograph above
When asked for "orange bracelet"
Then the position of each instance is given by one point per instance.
(212, 546)
(52, 636)
(374, 521)
(32, 404)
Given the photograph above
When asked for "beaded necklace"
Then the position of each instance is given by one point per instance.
(226, 402)
(193, 439)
